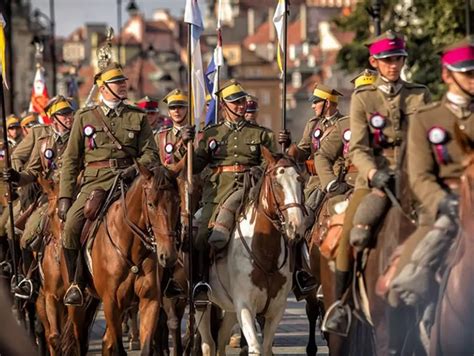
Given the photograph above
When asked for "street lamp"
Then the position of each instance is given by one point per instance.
(52, 41)
(132, 8)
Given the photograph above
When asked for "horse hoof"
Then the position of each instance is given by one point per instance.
(134, 345)
(125, 329)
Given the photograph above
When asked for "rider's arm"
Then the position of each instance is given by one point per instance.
(147, 150)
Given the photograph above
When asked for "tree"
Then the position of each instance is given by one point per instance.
(428, 25)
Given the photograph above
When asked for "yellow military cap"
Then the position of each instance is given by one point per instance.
(13, 121)
(323, 92)
(232, 91)
(176, 98)
(112, 73)
(58, 105)
(388, 44)
(367, 76)
(208, 98)
(29, 119)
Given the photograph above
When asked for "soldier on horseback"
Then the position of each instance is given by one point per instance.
(230, 149)
(45, 161)
(378, 120)
(435, 166)
(105, 140)
(316, 133)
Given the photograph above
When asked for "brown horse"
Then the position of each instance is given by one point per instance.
(49, 304)
(136, 233)
(453, 330)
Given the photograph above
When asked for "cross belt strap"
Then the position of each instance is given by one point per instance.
(107, 130)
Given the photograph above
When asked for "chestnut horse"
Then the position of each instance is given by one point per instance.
(136, 233)
(453, 330)
(254, 276)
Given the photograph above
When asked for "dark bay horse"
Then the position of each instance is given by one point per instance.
(453, 330)
(136, 234)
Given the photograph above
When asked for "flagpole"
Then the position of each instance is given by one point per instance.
(217, 61)
(285, 46)
(8, 165)
(189, 190)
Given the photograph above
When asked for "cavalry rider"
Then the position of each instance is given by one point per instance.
(150, 106)
(29, 121)
(435, 168)
(45, 161)
(230, 149)
(324, 104)
(15, 134)
(104, 139)
(172, 150)
(251, 113)
(379, 117)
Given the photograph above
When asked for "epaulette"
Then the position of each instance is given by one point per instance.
(365, 88)
(313, 118)
(254, 124)
(414, 85)
(165, 128)
(429, 106)
(207, 127)
(342, 118)
(86, 109)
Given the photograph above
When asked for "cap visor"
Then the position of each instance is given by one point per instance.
(313, 99)
(116, 79)
(178, 103)
(465, 66)
(236, 96)
(387, 54)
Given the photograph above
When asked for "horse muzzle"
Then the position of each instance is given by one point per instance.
(294, 224)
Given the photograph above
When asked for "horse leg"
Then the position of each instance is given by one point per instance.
(225, 331)
(52, 312)
(203, 320)
(42, 315)
(112, 340)
(312, 312)
(174, 325)
(149, 309)
(134, 337)
(247, 324)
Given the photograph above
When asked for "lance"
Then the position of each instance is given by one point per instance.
(375, 14)
(283, 89)
(217, 60)
(189, 190)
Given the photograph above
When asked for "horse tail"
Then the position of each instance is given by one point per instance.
(68, 343)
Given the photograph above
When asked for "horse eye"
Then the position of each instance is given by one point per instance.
(282, 171)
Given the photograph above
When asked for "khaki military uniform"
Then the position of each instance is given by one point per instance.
(433, 168)
(101, 159)
(49, 145)
(377, 148)
(229, 150)
(170, 145)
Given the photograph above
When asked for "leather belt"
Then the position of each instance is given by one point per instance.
(118, 163)
(310, 167)
(452, 183)
(240, 168)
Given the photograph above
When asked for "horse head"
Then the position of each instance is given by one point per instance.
(161, 200)
(467, 179)
(282, 193)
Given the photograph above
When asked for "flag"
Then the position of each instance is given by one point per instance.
(192, 16)
(39, 95)
(278, 20)
(3, 63)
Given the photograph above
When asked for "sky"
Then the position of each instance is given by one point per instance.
(71, 14)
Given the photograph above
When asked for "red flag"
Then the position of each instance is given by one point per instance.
(39, 96)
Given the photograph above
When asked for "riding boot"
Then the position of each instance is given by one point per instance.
(73, 295)
(338, 316)
(202, 289)
(172, 288)
(25, 289)
(303, 281)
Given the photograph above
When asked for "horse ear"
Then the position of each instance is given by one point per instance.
(144, 171)
(293, 151)
(177, 168)
(466, 144)
(267, 155)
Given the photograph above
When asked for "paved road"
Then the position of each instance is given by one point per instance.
(291, 337)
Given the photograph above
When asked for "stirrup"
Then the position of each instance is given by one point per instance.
(331, 309)
(6, 268)
(18, 289)
(305, 289)
(71, 288)
(201, 304)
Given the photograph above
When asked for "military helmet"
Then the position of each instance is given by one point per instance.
(58, 105)
(175, 98)
(366, 77)
(232, 91)
(322, 92)
(148, 104)
(388, 44)
(459, 57)
(110, 74)
(12, 121)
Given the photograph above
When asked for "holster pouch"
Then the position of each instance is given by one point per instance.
(94, 203)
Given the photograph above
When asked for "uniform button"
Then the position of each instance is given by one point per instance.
(113, 132)
(462, 127)
(112, 123)
(114, 150)
(235, 137)
(235, 155)
(235, 146)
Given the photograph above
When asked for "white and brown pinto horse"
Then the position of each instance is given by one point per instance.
(254, 277)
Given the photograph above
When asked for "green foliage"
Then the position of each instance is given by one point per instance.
(428, 25)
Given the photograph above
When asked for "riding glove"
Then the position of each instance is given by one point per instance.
(449, 206)
(11, 175)
(64, 205)
(381, 179)
(338, 188)
(284, 137)
(187, 133)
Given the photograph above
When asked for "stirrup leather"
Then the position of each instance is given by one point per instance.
(331, 309)
(18, 293)
(76, 287)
